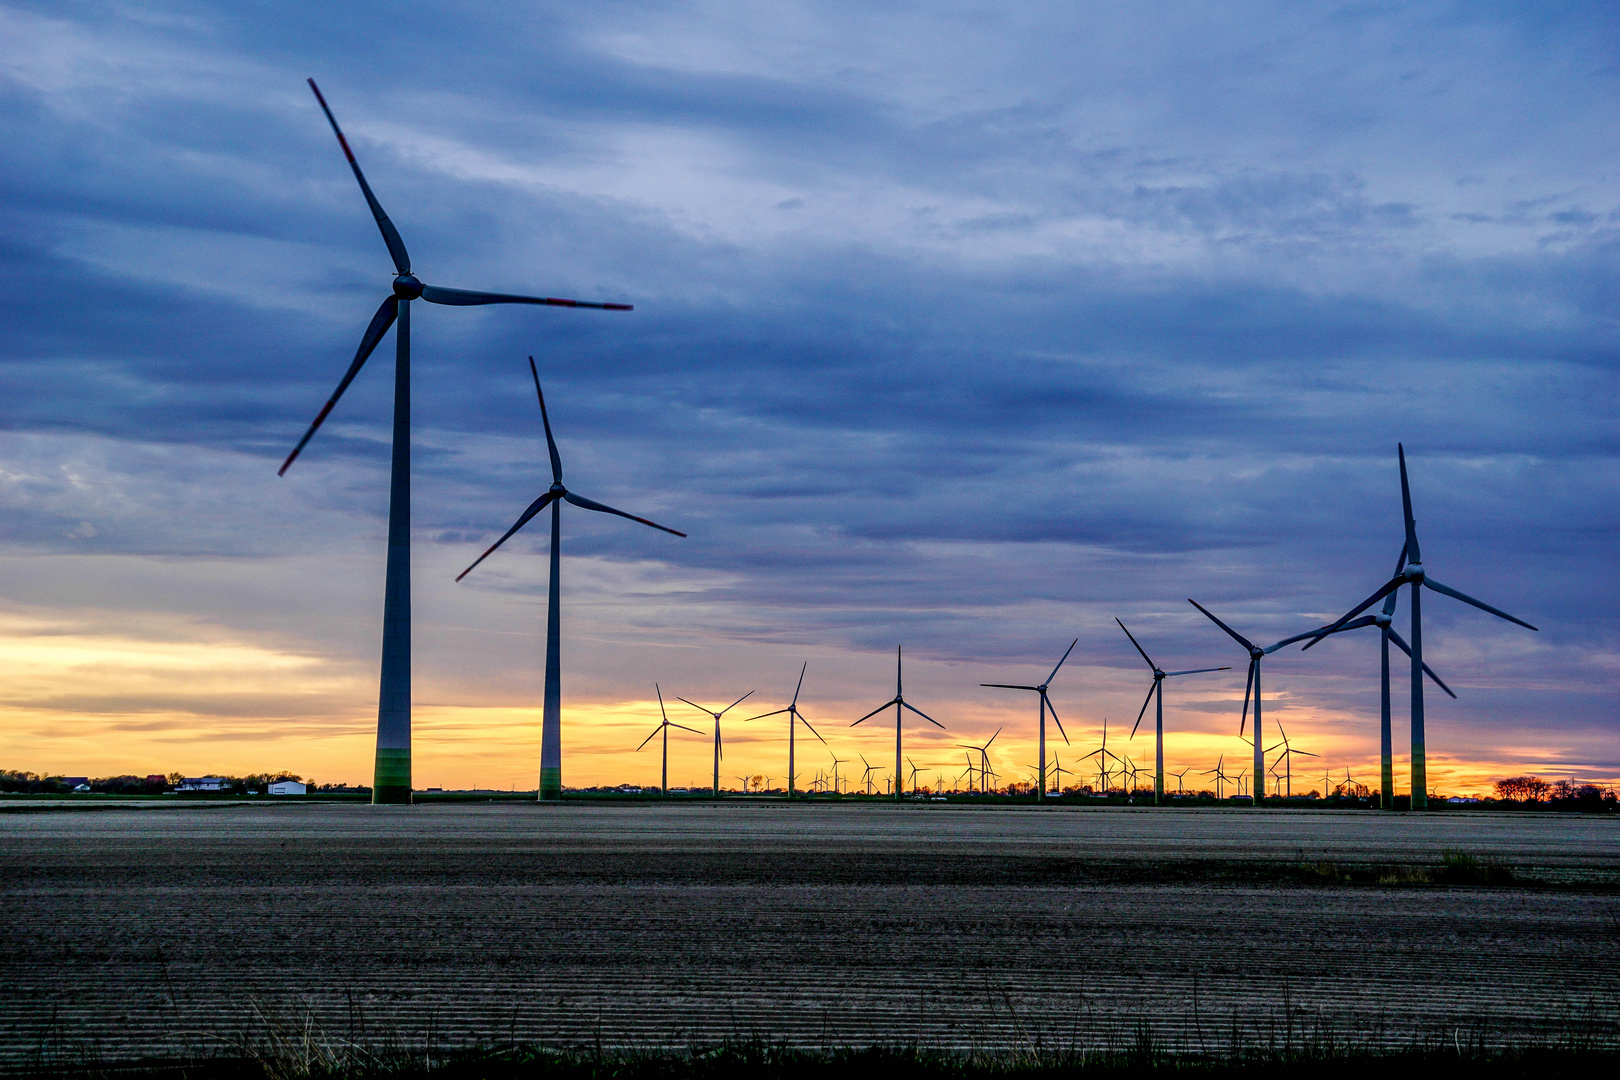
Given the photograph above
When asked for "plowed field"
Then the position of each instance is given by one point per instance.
(164, 931)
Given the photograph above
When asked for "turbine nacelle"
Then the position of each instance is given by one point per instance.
(1413, 572)
(407, 287)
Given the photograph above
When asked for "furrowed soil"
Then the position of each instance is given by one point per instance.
(180, 933)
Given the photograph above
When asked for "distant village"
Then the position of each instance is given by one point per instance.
(278, 783)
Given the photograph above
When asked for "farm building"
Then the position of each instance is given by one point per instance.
(202, 783)
(287, 787)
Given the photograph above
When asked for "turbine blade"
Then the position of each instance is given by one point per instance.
(1412, 552)
(992, 738)
(390, 235)
(1197, 671)
(1139, 648)
(1143, 711)
(1248, 686)
(1053, 711)
(1304, 753)
(1239, 638)
(1400, 643)
(813, 731)
(1324, 631)
(380, 322)
(796, 689)
(696, 706)
(734, 704)
(660, 691)
(1011, 686)
(875, 711)
(1387, 588)
(1482, 605)
(534, 508)
(1400, 563)
(551, 444)
(1066, 653)
(763, 715)
(649, 738)
(438, 294)
(602, 508)
(925, 716)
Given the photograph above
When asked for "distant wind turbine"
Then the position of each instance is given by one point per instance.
(1411, 572)
(1102, 754)
(1046, 706)
(1287, 756)
(663, 727)
(794, 717)
(717, 715)
(1218, 772)
(899, 702)
(555, 496)
(391, 781)
(1157, 690)
(866, 776)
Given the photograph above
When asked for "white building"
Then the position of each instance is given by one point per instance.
(287, 787)
(202, 783)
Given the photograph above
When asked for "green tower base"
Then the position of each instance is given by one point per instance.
(550, 785)
(392, 782)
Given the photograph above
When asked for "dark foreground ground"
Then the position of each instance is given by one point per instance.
(188, 932)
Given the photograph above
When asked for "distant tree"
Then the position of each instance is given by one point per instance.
(1523, 789)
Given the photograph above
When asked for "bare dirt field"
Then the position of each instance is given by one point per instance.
(143, 932)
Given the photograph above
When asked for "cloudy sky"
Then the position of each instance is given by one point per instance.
(967, 327)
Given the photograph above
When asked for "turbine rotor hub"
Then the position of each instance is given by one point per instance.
(559, 488)
(407, 287)
(1413, 572)
(1382, 619)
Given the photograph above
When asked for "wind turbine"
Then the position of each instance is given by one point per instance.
(391, 782)
(555, 496)
(1157, 690)
(866, 777)
(984, 761)
(1411, 572)
(837, 761)
(717, 716)
(1256, 654)
(899, 702)
(1045, 706)
(914, 771)
(1219, 773)
(1059, 770)
(1178, 777)
(663, 781)
(1102, 754)
(1287, 756)
(794, 716)
(1383, 620)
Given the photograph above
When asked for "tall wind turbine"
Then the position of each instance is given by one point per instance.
(663, 781)
(391, 781)
(1384, 619)
(1256, 654)
(717, 716)
(1045, 707)
(794, 717)
(899, 702)
(985, 771)
(1411, 572)
(1157, 690)
(555, 496)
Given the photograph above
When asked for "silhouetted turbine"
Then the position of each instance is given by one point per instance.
(793, 715)
(1157, 690)
(391, 781)
(663, 784)
(1411, 572)
(899, 702)
(555, 496)
(717, 716)
(1384, 620)
(1046, 706)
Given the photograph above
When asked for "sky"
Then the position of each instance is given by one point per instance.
(963, 327)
